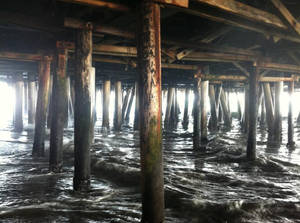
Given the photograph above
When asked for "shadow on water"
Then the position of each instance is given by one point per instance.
(215, 185)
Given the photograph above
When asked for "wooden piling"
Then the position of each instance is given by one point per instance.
(291, 142)
(31, 99)
(83, 108)
(185, 121)
(196, 111)
(18, 113)
(118, 106)
(50, 102)
(60, 100)
(245, 122)
(136, 125)
(253, 98)
(277, 114)
(262, 120)
(149, 65)
(106, 104)
(239, 107)
(127, 116)
(213, 121)
(226, 113)
(41, 107)
(269, 107)
(125, 103)
(203, 106)
(170, 97)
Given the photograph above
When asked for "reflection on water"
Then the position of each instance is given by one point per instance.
(217, 185)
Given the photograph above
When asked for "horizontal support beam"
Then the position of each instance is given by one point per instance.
(236, 78)
(246, 11)
(179, 3)
(20, 56)
(278, 67)
(236, 22)
(102, 4)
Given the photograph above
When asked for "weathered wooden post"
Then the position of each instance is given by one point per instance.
(170, 101)
(129, 105)
(50, 102)
(149, 65)
(240, 115)
(185, 121)
(83, 108)
(291, 142)
(41, 107)
(253, 98)
(31, 99)
(196, 111)
(26, 97)
(176, 106)
(226, 113)
(59, 103)
(262, 120)
(203, 106)
(125, 103)
(218, 104)
(245, 122)
(213, 121)
(269, 107)
(278, 118)
(106, 104)
(136, 125)
(118, 106)
(18, 113)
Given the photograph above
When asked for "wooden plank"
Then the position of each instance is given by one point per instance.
(241, 68)
(245, 11)
(240, 24)
(278, 67)
(99, 3)
(180, 3)
(287, 15)
(20, 56)
(218, 57)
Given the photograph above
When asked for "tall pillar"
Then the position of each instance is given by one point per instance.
(31, 99)
(218, 104)
(106, 104)
(185, 121)
(41, 107)
(291, 142)
(196, 111)
(176, 105)
(269, 107)
(50, 102)
(239, 107)
(278, 118)
(118, 106)
(226, 112)
(245, 123)
(149, 64)
(59, 103)
(253, 98)
(203, 105)
(136, 125)
(26, 96)
(125, 103)
(83, 108)
(262, 121)
(213, 121)
(18, 113)
(170, 101)
(129, 105)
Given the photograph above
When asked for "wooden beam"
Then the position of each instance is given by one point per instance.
(231, 78)
(216, 17)
(246, 11)
(287, 15)
(99, 3)
(241, 68)
(209, 38)
(218, 57)
(20, 56)
(179, 3)
(278, 67)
